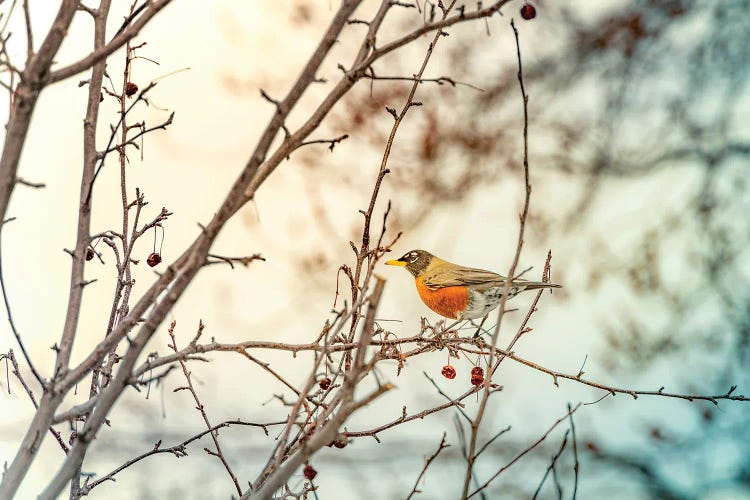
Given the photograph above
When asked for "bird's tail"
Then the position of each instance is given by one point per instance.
(536, 285)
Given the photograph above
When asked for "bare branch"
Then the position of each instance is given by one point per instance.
(178, 450)
(427, 463)
(554, 459)
(471, 455)
(29, 34)
(13, 328)
(524, 452)
(25, 97)
(35, 185)
(575, 453)
(199, 406)
(124, 35)
(245, 261)
(331, 142)
(440, 80)
(17, 372)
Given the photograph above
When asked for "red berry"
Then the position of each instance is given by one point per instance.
(89, 253)
(477, 375)
(130, 89)
(449, 372)
(153, 259)
(325, 383)
(528, 12)
(309, 472)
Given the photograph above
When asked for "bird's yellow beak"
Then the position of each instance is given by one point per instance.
(396, 263)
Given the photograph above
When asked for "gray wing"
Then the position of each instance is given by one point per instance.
(461, 276)
(483, 280)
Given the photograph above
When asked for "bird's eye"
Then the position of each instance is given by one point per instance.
(413, 257)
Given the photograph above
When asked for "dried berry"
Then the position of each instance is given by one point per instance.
(477, 375)
(449, 372)
(340, 441)
(89, 253)
(131, 88)
(528, 12)
(309, 472)
(325, 383)
(153, 259)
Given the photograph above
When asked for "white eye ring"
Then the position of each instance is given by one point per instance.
(413, 257)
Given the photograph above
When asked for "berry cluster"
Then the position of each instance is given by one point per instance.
(153, 259)
(477, 374)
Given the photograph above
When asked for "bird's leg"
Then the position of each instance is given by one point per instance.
(476, 334)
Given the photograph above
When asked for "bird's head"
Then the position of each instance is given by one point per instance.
(415, 261)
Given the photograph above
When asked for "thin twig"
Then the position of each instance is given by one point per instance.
(491, 440)
(12, 324)
(427, 463)
(17, 372)
(245, 261)
(575, 453)
(199, 406)
(525, 451)
(131, 26)
(440, 80)
(178, 450)
(511, 272)
(554, 459)
(331, 142)
(35, 185)
(29, 33)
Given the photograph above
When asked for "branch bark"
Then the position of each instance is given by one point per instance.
(25, 99)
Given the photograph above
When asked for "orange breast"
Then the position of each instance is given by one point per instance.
(449, 301)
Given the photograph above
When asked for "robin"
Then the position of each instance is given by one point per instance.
(459, 292)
